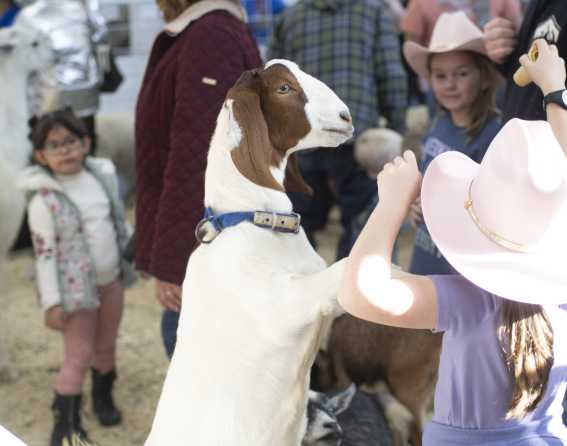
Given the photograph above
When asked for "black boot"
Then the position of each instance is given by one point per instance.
(67, 430)
(103, 405)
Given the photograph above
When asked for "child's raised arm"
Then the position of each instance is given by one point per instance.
(369, 289)
(548, 73)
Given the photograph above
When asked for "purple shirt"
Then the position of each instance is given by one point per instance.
(474, 388)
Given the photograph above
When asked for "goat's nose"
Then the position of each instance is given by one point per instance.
(345, 116)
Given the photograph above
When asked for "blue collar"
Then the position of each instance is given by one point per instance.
(7, 19)
(286, 223)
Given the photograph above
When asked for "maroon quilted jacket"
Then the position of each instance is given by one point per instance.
(175, 118)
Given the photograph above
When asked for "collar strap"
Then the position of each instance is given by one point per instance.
(493, 236)
(286, 223)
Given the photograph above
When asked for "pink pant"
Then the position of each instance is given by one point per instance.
(89, 338)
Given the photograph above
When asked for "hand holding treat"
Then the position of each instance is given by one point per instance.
(521, 76)
(547, 69)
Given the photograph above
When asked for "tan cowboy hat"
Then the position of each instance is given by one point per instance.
(453, 31)
(502, 223)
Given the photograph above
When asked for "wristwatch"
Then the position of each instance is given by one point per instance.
(558, 97)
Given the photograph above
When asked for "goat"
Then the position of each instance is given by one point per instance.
(350, 417)
(365, 353)
(22, 52)
(255, 300)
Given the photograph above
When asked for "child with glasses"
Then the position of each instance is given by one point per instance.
(79, 233)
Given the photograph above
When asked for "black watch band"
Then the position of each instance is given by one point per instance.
(558, 97)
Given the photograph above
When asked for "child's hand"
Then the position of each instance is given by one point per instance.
(399, 182)
(548, 70)
(55, 318)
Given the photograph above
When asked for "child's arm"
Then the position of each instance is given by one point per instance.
(369, 289)
(548, 73)
(43, 237)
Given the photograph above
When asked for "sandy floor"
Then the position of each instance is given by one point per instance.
(36, 354)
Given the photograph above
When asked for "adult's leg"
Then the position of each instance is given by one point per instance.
(356, 192)
(314, 209)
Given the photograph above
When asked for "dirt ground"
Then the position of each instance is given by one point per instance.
(36, 352)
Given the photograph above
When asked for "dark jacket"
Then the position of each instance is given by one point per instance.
(543, 18)
(175, 118)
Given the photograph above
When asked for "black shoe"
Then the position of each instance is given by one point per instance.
(67, 429)
(103, 405)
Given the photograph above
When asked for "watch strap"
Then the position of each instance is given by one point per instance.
(558, 97)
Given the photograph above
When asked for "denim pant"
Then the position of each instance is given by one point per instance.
(169, 321)
(334, 176)
(565, 410)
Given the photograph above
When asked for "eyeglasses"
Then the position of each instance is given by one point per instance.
(69, 142)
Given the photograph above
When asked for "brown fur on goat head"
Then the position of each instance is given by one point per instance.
(269, 107)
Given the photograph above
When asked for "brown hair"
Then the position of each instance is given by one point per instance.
(526, 338)
(484, 106)
(172, 9)
(42, 125)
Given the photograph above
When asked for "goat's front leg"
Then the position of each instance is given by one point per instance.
(320, 289)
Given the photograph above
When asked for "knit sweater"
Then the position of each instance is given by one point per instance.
(185, 84)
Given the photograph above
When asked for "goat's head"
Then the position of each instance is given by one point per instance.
(277, 111)
(323, 428)
(29, 47)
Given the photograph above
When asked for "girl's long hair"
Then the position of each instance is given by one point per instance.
(484, 106)
(40, 126)
(526, 338)
(171, 9)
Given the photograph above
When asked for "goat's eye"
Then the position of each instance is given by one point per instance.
(283, 89)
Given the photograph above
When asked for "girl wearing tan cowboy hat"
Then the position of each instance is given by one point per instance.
(464, 82)
(501, 225)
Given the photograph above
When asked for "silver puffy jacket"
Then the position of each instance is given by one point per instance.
(77, 33)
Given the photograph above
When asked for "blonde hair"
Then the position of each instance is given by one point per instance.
(484, 106)
(526, 338)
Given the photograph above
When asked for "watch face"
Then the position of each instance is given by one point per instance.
(564, 97)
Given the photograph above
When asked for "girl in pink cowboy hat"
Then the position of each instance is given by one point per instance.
(464, 83)
(501, 225)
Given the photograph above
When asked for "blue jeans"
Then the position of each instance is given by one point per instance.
(169, 321)
(334, 176)
(565, 410)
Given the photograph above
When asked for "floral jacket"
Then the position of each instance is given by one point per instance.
(69, 257)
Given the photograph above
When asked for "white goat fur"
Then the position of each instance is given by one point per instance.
(22, 52)
(255, 305)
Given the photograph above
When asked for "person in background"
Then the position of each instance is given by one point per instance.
(354, 48)
(79, 233)
(464, 84)
(501, 224)
(261, 17)
(76, 30)
(8, 12)
(204, 48)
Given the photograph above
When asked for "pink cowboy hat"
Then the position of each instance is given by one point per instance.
(453, 31)
(502, 223)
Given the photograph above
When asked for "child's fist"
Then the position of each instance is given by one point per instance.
(400, 181)
(55, 317)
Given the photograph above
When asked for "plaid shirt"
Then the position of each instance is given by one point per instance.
(352, 46)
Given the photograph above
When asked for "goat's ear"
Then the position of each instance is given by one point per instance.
(341, 401)
(293, 180)
(254, 154)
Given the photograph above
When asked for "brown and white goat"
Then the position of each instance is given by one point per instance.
(370, 355)
(255, 301)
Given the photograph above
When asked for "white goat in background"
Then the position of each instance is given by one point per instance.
(22, 52)
(256, 301)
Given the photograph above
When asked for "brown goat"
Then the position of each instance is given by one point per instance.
(365, 353)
